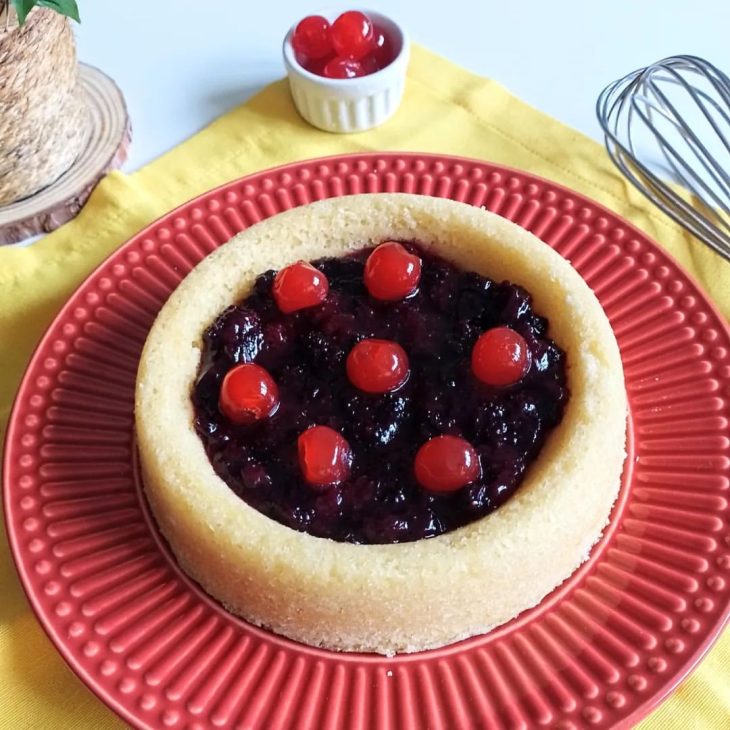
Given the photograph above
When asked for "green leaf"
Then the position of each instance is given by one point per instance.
(64, 7)
(22, 8)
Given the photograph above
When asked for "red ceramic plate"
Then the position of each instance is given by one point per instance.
(600, 651)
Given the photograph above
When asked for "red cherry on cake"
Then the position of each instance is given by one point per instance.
(391, 272)
(377, 366)
(500, 357)
(352, 35)
(325, 456)
(446, 463)
(248, 394)
(299, 286)
(312, 38)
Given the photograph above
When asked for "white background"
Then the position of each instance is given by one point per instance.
(181, 63)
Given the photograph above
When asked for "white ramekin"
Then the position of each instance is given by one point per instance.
(350, 105)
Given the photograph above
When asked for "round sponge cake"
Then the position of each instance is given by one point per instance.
(385, 598)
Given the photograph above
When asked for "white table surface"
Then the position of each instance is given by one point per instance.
(181, 63)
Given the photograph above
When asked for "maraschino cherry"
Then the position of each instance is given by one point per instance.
(500, 357)
(350, 47)
(377, 366)
(343, 68)
(325, 456)
(391, 272)
(312, 38)
(299, 286)
(352, 35)
(446, 463)
(382, 52)
(248, 393)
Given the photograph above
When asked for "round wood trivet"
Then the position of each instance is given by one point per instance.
(106, 149)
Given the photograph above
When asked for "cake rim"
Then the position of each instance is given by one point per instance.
(325, 584)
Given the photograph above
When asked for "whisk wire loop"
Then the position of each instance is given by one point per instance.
(672, 120)
(673, 117)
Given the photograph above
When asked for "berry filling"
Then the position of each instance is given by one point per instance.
(394, 420)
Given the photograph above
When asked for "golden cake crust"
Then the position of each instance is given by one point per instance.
(384, 598)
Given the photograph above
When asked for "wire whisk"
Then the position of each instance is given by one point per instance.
(669, 124)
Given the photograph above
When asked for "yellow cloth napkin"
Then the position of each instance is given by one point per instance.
(445, 109)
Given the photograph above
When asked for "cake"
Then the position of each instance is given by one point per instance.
(384, 596)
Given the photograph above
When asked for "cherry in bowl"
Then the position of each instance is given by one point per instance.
(354, 44)
(312, 38)
(344, 91)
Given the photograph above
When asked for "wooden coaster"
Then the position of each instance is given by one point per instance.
(106, 149)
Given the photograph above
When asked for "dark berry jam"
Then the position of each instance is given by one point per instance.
(305, 352)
